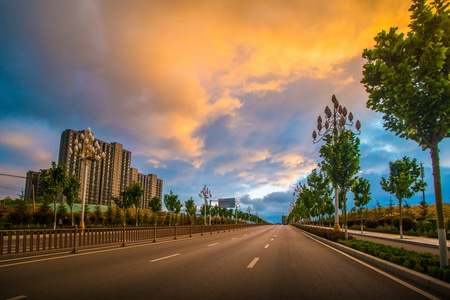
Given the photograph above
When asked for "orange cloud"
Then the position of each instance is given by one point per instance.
(187, 63)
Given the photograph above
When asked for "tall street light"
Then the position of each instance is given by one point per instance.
(335, 122)
(205, 193)
(297, 191)
(89, 150)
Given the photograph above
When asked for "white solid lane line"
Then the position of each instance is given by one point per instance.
(253, 263)
(165, 257)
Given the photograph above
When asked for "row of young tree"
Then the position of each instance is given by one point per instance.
(56, 184)
(314, 198)
(408, 81)
(216, 213)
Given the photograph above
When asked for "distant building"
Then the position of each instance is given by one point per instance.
(106, 178)
(33, 185)
(151, 184)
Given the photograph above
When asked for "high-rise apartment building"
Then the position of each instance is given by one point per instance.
(33, 185)
(150, 183)
(108, 177)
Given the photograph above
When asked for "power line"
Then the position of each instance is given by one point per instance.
(10, 175)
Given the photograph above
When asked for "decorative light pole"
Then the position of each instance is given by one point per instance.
(297, 191)
(89, 150)
(205, 193)
(335, 122)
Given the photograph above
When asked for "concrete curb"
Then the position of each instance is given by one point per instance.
(422, 280)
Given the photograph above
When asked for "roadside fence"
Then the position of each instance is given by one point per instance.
(38, 240)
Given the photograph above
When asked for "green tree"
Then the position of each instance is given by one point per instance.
(98, 214)
(21, 210)
(53, 182)
(171, 202)
(155, 204)
(407, 78)
(341, 162)
(61, 210)
(191, 208)
(124, 203)
(378, 209)
(177, 209)
(134, 194)
(361, 190)
(319, 186)
(403, 182)
(71, 192)
(109, 215)
(423, 212)
(306, 202)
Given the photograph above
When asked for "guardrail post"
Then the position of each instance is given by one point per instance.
(190, 230)
(1, 243)
(123, 235)
(201, 227)
(154, 233)
(75, 250)
(175, 237)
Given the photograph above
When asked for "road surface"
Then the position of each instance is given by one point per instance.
(266, 262)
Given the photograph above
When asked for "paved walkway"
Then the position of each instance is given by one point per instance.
(433, 242)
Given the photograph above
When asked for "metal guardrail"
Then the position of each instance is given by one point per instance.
(37, 240)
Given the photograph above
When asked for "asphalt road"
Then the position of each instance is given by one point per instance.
(266, 262)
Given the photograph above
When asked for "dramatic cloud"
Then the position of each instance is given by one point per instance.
(223, 93)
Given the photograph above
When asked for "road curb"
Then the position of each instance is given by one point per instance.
(422, 280)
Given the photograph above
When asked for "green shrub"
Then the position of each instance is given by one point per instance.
(326, 233)
(425, 263)
(407, 223)
(371, 223)
(387, 229)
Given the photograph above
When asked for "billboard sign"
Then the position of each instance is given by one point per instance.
(227, 202)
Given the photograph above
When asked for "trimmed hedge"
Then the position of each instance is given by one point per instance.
(326, 233)
(425, 263)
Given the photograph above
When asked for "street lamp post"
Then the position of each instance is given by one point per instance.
(205, 193)
(236, 204)
(88, 149)
(335, 122)
(297, 191)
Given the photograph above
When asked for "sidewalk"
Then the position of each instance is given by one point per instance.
(417, 240)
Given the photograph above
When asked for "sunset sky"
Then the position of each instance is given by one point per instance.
(223, 93)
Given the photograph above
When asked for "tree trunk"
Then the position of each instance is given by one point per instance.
(54, 218)
(401, 218)
(137, 222)
(439, 208)
(345, 216)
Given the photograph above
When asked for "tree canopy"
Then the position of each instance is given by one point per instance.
(155, 204)
(408, 81)
(403, 181)
(71, 192)
(341, 162)
(53, 182)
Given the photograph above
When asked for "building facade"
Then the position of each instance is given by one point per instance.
(108, 177)
(151, 184)
(33, 186)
